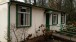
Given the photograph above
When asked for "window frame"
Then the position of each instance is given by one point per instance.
(17, 25)
(56, 20)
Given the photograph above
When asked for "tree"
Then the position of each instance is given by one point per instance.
(69, 6)
(41, 3)
(55, 4)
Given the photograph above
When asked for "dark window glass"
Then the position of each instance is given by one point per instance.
(23, 10)
(21, 19)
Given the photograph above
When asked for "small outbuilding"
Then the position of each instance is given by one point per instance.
(20, 18)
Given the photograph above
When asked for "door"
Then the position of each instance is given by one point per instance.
(47, 22)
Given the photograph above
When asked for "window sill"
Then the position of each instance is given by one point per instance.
(54, 24)
(62, 23)
(22, 26)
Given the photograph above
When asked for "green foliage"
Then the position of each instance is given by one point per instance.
(69, 6)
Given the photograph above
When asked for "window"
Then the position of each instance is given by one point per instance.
(54, 19)
(23, 16)
(62, 18)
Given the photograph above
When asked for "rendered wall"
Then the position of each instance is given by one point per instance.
(58, 26)
(3, 22)
(3, 1)
(38, 18)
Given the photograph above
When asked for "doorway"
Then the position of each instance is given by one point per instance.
(47, 21)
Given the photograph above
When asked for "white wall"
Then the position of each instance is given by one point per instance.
(3, 22)
(4, 1)
(58, 26)
(38, 18)
(55, 27)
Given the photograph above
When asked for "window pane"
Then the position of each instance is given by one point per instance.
(54, 18)
(20, 19)
(28, 10)
(23, 10)
(27, 19)
(63, 18)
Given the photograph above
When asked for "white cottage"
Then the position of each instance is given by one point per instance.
(19, 18)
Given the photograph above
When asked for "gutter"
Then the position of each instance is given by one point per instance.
(8, 31)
